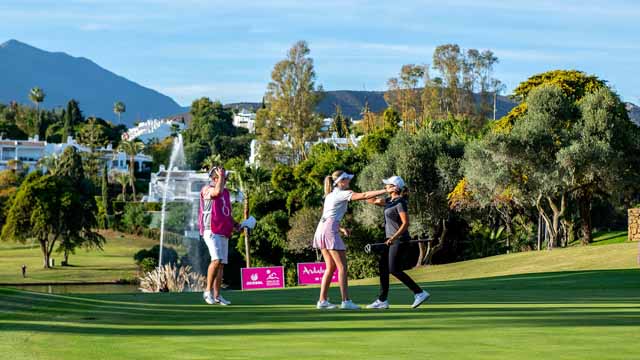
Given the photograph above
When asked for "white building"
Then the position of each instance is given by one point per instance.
(338, 142)
(184, 185)
(153, 128)
(245, 119)
(30, 151)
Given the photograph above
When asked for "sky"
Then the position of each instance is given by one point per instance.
(226, 50)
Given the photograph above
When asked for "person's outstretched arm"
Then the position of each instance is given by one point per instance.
(367, 195)
(377, 201)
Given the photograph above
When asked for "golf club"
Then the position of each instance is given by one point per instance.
(369, 247)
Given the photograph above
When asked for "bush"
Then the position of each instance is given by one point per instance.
(135, 218)
(362, 265)
(148, 264)
(149, 257)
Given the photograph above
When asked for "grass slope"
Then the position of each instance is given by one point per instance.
(114, 263)
(615, 256)
(562, 315)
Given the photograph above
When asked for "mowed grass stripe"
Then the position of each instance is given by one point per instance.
(567, 315)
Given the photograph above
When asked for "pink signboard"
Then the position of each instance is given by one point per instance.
(262, 277)
(311, 273)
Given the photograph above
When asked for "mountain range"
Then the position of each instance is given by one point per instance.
(352, 102)
(64, 77)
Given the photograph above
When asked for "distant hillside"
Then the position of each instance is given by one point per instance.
(63, 77)
(352, 102)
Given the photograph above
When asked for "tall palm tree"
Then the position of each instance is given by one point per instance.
(122, 178)
(37, 95)
(211, 161)
(131, 148)
(118, 108)
(250, 180)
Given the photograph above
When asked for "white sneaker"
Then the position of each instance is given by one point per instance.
(349, 305)
(222, 301)
(324, 304)
(420, 298)
(208, 298)
(378, 304)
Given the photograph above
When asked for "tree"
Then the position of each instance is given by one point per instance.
(291, 99)
(210, 132)
(36, 95)
(131, 148)
(404, 95)
(574, 85)
(72, 117)
(48, 208)
(429, 164)
(370, 121)
(596, 159)
(250, 180)
(211, 161)
(340, 124)
(93, 135)
(80, 233)
(391, 119)
(521, 165)
(105, 196)
(121, 178)
(119, 108)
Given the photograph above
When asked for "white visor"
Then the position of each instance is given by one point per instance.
(342, 176)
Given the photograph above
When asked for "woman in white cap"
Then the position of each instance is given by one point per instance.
(327, 237)
(396, 225)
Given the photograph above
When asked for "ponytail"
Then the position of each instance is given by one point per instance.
(328, 185)
(405, 193)
(329, 180)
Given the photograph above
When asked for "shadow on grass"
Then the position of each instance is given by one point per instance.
(579, 298)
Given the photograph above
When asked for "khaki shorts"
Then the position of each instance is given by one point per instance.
(218, 246)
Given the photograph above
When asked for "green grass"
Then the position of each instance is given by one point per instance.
(616, 256)
(610, 237)
(575, 303)
(112, 264)
(557, 315)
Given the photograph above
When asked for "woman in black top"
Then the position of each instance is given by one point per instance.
(396, 224)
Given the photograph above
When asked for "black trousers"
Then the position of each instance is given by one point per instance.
(391, 263)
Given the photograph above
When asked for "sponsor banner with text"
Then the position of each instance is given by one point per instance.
(311, 273)
(262, 278)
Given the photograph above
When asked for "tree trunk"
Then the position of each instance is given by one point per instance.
(428, 251)
(132, 179)
(584, 203)
(552, 223)
(45, 254)
(65, 262)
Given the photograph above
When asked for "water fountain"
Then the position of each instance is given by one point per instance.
(177, 158)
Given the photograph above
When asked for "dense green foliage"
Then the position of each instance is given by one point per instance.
(212, 132)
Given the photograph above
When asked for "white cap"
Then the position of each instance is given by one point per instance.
(213, 170)
(342, 176)
(395, 181)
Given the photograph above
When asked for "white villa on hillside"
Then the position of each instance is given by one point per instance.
(30, 151)
(245, 119)
(153, 128)
(338, 142)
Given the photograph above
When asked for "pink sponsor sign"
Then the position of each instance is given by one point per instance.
(262, 277)
(311, 273)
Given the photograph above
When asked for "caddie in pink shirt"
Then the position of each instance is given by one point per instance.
(216, 226)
